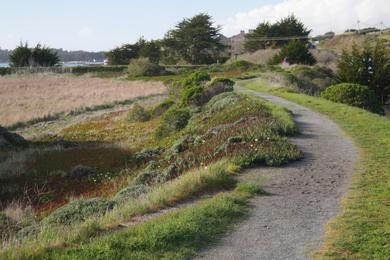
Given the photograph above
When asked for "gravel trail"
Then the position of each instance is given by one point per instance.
(304, 196)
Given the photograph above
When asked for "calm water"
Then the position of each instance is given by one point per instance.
(4, 65)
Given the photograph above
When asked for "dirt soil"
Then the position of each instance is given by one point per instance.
(303, 196)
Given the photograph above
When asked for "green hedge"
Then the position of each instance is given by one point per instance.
(5, 71)
(354, 95)
(84, 70)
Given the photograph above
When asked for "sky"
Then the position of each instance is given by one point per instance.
(100, 25)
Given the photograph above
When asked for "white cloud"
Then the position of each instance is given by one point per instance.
(320, 15)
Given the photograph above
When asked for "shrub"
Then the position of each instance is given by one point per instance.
(161, 108)
(78, 211)
(173, 120)
(295, 52)
(97, 69)
(147, 154)
(138, 114)
(148, 175)
(181, 145)
(81, 171)
(311, 80)
(192, 95)
(198, 95)
(144, 67)
(130, 192)
(240, 65)
(222, 101)
(196, 78)
(216, 87)
(370, 67)
(5, 71)
(354, 95)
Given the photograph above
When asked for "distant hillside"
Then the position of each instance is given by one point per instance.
(64, 55)
(4, 55)
(346, 41)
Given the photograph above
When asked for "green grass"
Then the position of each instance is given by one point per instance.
(216, 177)
(362, 231)
(177, 235)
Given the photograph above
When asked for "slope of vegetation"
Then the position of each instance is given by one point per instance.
(362, 229)
(114, 167)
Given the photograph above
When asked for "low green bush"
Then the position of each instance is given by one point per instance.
(5, 71)
(279, 153)
(78, 211)
(173, 120)
(147, 154)
(138, 114)
(97, 69)
(199, 95)
(221, 101)
(160, 109)
(130, 192)
(148, 175)
(192, 95)
(311, 79)
(195, 78)
(216, 87)
(144, 67)
(354, 95)
(240, 65)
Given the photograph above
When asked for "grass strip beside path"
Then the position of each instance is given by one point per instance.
(177, 235)
(362, 230)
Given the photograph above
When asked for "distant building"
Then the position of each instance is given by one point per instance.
(235, 45)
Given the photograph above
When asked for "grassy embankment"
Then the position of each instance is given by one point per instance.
(247, 131)
(362, 231)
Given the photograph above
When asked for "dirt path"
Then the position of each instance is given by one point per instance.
(305, 195)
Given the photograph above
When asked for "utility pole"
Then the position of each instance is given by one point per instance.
(358, 25)
(382, 27)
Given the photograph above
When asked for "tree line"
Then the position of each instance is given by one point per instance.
(194, 40)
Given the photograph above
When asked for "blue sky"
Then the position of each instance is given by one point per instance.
(104, 24)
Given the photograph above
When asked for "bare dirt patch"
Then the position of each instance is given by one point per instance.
(26, 97)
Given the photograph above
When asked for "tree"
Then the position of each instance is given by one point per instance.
(370, 67)
(122, 55)
(21, 56)
(141, 49)
(295, 52)
(262, 36)
(149, 49)
(195, 40)
(44, 56)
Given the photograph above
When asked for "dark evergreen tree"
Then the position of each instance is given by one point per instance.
(369, 67)
(21, 56)
(267, 34)
(195, 40)
(295, 52)
(43, 56)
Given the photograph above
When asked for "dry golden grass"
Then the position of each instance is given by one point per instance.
(26, 97)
